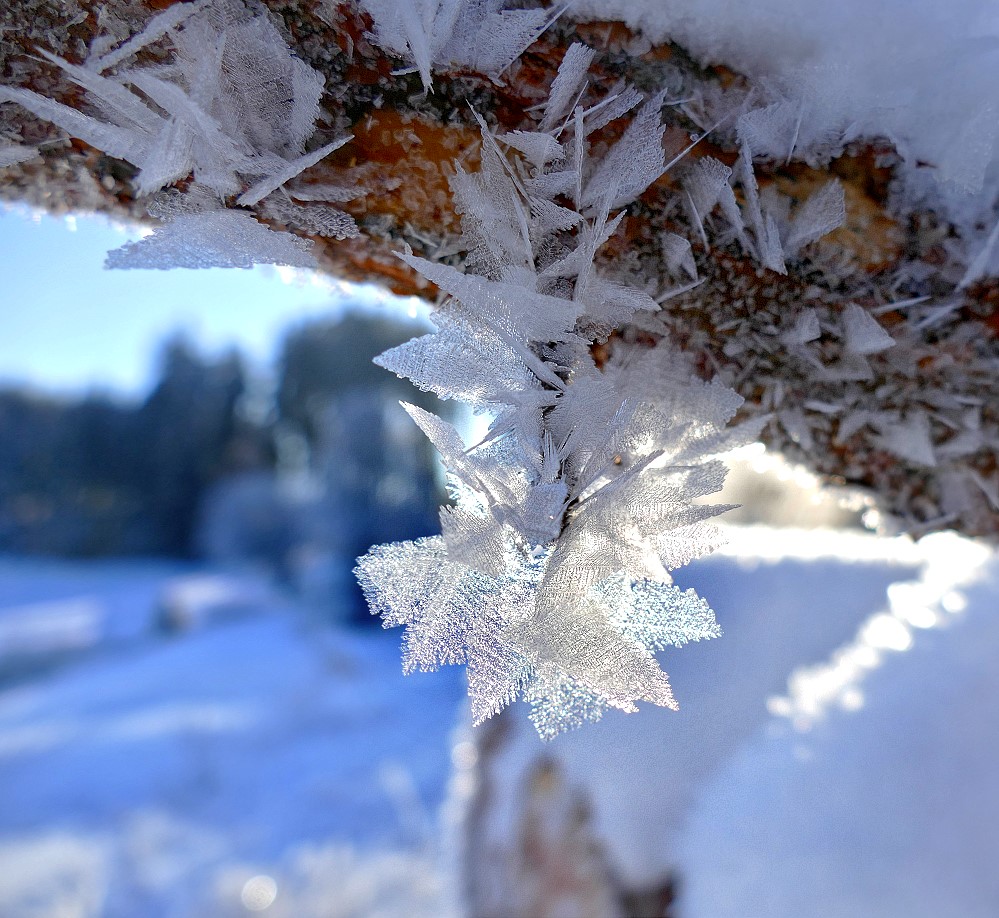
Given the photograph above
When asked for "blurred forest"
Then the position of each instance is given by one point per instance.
(318, 461)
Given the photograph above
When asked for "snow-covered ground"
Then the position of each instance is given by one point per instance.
(162, 775)
(51, 611)
(884, 801)
(833, 753)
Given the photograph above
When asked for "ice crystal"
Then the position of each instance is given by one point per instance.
(771, 131)
(806, 328)
(103, 56)
(908, 438)
(862, 332)
(233, 107)
(233, 103)
(566, 86)
(468, 34)
(763, 224)
(983, 262)
(678, 255)
(12, 153)
(314, 219)
(216, 239)
(823, 212)
(551, 579)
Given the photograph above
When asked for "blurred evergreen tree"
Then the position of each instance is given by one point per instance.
(186, 426)
(377, 471)
(95, 476)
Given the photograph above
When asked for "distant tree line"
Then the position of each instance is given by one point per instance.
(94, 476)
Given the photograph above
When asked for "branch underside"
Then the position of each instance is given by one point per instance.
(914, 423)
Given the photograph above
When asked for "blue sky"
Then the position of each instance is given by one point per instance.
(68, 325)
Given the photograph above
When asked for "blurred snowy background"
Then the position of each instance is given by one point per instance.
(197, 717)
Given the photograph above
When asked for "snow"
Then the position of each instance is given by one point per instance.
(922, 74)
(53, 608)
(834, 749)
(888, 804)
(160, 775)
(251, 703)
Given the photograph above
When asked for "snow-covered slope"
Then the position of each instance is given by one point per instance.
(891, 810)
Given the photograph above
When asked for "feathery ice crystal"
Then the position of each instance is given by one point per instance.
(551, 577)
(232, 109)
(474, 35)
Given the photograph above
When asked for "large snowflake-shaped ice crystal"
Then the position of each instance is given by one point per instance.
(551, 577)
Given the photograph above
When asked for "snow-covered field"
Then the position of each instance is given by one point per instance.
(833, 755)
(161, 775)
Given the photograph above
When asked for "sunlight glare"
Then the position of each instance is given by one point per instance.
(259, 893)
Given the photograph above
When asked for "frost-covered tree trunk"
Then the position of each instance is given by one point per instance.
(528, 844)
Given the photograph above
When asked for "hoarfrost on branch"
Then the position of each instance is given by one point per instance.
(551, 578)
(233, 109)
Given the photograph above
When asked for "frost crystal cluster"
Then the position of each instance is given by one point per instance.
(474, 35)
(232, 108)
(551, 578)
